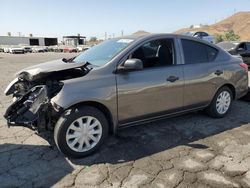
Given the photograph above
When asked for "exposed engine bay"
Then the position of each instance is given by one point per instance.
(32, 94)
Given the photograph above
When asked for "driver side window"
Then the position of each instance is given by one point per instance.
(156, 53)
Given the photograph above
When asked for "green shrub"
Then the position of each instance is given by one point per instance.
(228, 36)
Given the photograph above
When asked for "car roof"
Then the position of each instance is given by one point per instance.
(146, 36)
(152, 35)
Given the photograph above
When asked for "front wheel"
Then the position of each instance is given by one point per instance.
(80, 131)
(221, 103)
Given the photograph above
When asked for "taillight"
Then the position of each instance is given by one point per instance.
(244, 66)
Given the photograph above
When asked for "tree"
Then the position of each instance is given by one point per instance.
(231, 36)
(228, 36)
(219, 38)
(9, 34)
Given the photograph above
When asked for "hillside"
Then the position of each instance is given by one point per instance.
(239, 23)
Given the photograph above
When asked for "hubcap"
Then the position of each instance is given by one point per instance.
(223, 102)
(84, 134)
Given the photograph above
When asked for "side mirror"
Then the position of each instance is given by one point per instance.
(131, 65)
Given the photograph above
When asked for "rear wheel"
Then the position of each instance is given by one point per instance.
(221, 103)
(80, 131)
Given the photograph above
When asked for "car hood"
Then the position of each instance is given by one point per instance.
(36, 71)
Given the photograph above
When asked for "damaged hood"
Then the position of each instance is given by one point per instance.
(52, 66)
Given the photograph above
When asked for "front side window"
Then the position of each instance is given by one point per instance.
(196, 52)
(155, 53)
(102, 53)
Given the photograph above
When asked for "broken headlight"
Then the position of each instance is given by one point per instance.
(25, 109)
(37, 97)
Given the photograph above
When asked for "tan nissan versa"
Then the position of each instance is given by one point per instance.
(121, 82)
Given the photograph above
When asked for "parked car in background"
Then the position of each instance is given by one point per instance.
(38, 49)
(82, 48)
(27, 49)
(6, 49)
(123, 82)
(237, 48)
(51, 48)
(58, 49)
(79, 48)
(201, 35)
(70, 49)
(86, 48)
(1, 49)
(16, 50)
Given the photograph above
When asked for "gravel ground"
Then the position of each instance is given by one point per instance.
(186, 151)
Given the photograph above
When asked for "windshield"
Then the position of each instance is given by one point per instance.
(227, 45)
(102, 53)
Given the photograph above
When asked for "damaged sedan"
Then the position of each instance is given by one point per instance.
(123, 82)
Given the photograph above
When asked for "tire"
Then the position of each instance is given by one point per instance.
(213, 110)
(73, 119)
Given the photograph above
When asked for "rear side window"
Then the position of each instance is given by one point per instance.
(211, 53)
(196, 52)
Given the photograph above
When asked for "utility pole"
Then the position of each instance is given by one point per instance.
(122, 33)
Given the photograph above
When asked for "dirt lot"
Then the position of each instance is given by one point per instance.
(187, 151)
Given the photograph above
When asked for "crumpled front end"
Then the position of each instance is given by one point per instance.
(31, 110)
(33, 90)
(31, 105)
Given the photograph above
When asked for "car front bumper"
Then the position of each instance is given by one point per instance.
(31, 110)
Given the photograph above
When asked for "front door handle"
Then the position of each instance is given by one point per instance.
(172, 78)
(218, 72)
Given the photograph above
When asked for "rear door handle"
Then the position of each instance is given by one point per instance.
(218, 72)
(172, 78)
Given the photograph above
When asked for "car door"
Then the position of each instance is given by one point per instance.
(156, 89)
(201, 73)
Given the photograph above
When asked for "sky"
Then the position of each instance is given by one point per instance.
(56, 18)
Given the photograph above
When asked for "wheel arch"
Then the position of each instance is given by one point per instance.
(104, 109)
(231, 87)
